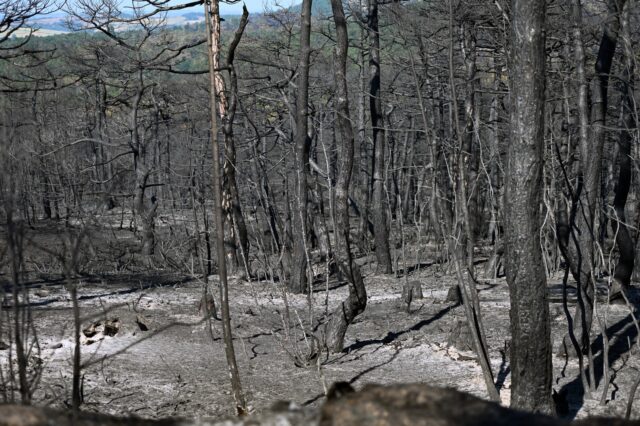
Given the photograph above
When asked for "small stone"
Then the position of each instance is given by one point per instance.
(42, 292)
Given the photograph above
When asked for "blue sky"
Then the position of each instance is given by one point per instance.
(254, 6)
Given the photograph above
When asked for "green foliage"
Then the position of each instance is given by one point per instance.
(319, 8)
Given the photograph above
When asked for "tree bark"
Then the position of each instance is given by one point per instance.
(379, 214)
(624, 242)
(366, 226)
(237, 242)
(357, 299)
(212, 10)
(468, 136)
(461, 242)
(145, 216)
(577, 238)
(529, 315)
(231, 195)
(298, 274)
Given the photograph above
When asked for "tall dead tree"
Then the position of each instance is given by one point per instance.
(212, 16)
(238, 240)
(577, 236)
(357, 299)
(529, 314)
(460, 242)
(624, 242)
(298, 273)
(378, 198)
(145, 211)
(471, 154)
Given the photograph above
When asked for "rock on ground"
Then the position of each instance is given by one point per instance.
(375, 405)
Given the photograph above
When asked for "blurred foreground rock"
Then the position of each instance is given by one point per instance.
(410, 404)
(422, 405)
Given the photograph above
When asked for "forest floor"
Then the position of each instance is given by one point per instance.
(177, 366)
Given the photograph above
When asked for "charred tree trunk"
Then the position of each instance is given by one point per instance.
(529, 315)
(265, 194)
(231, 195)
(366, 225)
(379, 213)
(357, 299)
(14, 239)
(494, 233)
(624, 242)
(211, 11)
(144, 215)
(573, 247)
(470, 130)
(460, 241)
(577, 237)
(298, 274)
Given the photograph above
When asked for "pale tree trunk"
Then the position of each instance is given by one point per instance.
(529, 315)
(379, 214)
(357, 299)
(212, 10)
(237, 241)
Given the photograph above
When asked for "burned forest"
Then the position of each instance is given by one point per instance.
(331, 212)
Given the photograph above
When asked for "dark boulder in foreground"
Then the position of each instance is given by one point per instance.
(423, 405)
(398, 405)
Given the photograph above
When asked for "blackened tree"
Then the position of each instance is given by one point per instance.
(529, 315)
